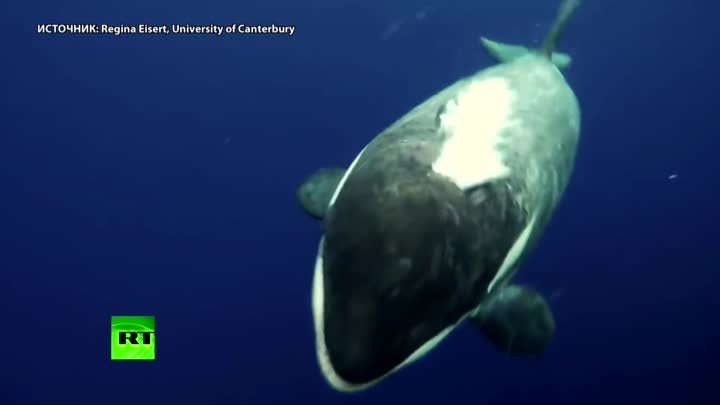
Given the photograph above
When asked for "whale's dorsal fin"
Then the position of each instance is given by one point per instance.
(508, 52)
(566, 10)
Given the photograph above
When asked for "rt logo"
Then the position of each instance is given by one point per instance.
(132, 338)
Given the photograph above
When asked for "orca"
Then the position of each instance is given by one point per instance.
(428, 225)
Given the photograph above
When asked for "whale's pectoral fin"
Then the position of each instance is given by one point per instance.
(507, 52)
(315, 192)
(516, 320)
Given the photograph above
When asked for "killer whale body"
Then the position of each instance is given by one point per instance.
(435, 215)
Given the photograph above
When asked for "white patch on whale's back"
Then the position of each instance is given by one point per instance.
(472, 123)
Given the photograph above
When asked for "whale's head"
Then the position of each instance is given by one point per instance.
(399, 268)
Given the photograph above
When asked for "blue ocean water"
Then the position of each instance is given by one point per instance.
(156, 175)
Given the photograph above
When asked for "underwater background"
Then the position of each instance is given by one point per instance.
(156, 175)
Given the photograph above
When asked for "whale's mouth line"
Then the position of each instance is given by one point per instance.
(328, 371)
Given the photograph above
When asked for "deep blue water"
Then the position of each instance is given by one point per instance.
(156, 176)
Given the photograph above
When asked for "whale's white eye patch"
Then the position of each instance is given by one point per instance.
(472, 124)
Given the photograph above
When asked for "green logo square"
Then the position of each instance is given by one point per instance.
(132, 338)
